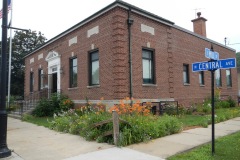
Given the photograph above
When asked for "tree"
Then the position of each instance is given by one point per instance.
(22, 44)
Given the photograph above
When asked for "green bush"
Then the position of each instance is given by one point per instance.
(138, 129)
(48, 107)
(206, 108)
(223, 104)
(44, 108)
(12, 107)
(231, 102)
(171, 109)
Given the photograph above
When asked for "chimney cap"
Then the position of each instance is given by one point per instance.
(198, 14)
(199, 17)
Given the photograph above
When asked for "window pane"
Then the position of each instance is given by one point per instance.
(229, 79)
(201, 77)
(31, 81)
(147, 69)
(147, 54)
(73, 72)
(94, 56)
(218, 78)
(95, 72)
(147, 64)
(40, 79)
(74, 77)
(185, 74)
(74, 63)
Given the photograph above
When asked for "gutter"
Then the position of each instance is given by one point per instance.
(130, 22)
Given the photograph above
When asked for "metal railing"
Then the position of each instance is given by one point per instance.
(30, 102)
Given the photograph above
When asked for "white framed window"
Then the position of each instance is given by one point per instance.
(201, 78)
(229, 77)
(94, 68)
(148, 66)
(186, 74)
(218, 78)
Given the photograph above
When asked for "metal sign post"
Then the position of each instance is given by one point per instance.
(213, 107)
(213, 113)
(212, 65)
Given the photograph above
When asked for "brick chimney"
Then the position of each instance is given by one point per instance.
(199, 25)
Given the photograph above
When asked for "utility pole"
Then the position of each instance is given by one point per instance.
(4, 151)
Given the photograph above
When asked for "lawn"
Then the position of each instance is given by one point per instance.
(227, 147)
(222, 114)
(40, 121)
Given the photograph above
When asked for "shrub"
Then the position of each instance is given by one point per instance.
(223, 104)
(44, 108)
(47, 107)
(66, 104)
(139, 128)
(171, 109)
(231, 102)
(206, 108)
(13, 107)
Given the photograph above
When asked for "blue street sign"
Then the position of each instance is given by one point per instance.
(211, 55)
(213, 65)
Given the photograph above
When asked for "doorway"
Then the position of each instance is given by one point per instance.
(54, 82)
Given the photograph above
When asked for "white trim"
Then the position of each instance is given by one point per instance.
(52, 55)
(72, 41)
(92, 31)
(54, 61)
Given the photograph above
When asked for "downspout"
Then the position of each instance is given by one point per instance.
(130, 22)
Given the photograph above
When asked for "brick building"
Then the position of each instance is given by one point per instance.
(124, 51)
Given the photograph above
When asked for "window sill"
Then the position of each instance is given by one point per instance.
(229, 87)
(202, 85)
(186, 84)
(149, 85)
(94, 86)
(74, 88)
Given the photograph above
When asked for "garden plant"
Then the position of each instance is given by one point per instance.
(141, 125)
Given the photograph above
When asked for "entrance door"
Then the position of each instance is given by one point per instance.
(54, 82)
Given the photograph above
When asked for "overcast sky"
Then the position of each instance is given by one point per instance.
(52, 17)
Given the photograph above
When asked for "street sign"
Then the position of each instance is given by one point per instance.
(211, 54)
(213, 65)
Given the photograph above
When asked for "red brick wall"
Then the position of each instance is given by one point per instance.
(172, 48)
(188, 49)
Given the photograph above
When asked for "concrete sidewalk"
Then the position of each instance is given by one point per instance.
(31, 142)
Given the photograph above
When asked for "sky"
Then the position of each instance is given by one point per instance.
(52, 17)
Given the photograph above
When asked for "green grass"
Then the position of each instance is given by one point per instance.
(227, 147)
(223, 114)
(194, 120)
(40, 121)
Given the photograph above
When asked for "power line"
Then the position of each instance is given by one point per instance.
(233, 43)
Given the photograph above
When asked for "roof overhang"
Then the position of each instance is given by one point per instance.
(117, 3)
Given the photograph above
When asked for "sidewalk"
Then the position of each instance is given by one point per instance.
(31, 142)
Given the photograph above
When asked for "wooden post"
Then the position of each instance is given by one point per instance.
(115, 127)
